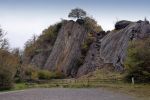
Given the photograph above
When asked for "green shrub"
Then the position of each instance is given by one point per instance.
(84, 50)
(6, 79)
(45, 74)
(58, 75)
(28, 73)
(32, 73)
(137, 63)
(50, 34)
(92, 25)
(86, 45)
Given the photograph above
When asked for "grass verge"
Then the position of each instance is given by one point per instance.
(141, 91)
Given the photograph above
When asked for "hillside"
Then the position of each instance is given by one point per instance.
(70, 41)
(77, 48)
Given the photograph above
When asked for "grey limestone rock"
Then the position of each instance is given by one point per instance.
(112, 48)
(67, 48)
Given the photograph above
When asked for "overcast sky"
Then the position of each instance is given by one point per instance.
(23, 18)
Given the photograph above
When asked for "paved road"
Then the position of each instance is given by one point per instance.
(64, 94)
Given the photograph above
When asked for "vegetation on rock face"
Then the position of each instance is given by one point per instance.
(86, 45)
(50, 34)
(84, 49)
(44, 41)
(77, 13)
(138, 61)
(92, 25)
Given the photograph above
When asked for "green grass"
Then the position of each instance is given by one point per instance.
(20, 86)
(103, 74)
(141, 91)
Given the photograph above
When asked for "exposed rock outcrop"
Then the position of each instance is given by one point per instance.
(67, 48)
(114, 45)
(39, 59)
(111, 49)
(107, 48)
(93, 59)
(64, 54)
(122, 24)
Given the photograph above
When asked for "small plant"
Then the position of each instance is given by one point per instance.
(86, 45)
(45, 74)
(84, 49)
(29, 72)
(58, 75)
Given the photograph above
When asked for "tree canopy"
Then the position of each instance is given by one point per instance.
(77, 13)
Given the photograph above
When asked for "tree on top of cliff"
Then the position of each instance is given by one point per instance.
(77, 13)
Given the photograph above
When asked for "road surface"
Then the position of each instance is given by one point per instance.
(64, 94)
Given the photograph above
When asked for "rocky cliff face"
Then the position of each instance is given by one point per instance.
(114, 45)
(64, 54)
(107, 48)
(67, 48)
(111, 49)
(92, 59)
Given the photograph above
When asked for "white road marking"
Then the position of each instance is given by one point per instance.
(15, 91)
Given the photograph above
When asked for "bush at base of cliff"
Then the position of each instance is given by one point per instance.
(28, 73)
(45, 74)
(8, 66)
(58, 75)
(138, 61)
(6, 79)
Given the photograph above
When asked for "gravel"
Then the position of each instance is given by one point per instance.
(64, 94)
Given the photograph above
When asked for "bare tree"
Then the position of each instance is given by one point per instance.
(77, 13)
(3, 41)
(31, 41)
